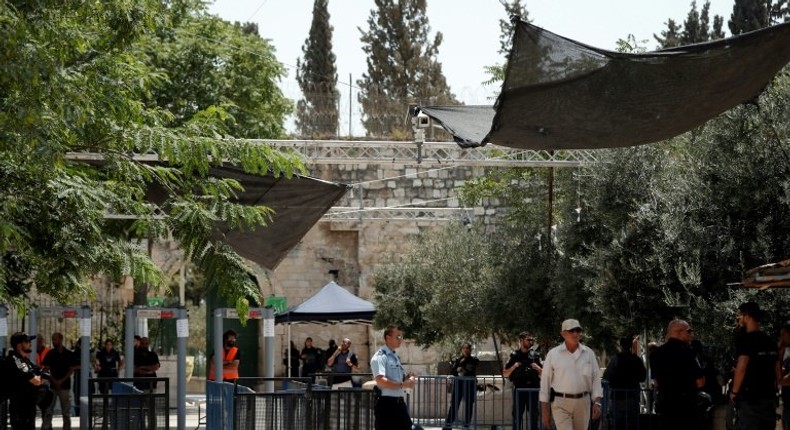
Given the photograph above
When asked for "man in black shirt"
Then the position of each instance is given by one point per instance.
(146, 363)
(60, 362)
(756, 372)
(465, 366)
(523, 369)
(678, 377)
(624, 373)
(311, 359)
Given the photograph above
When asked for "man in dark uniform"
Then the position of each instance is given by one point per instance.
(23, 380)
(108, 362)
(756, 372)
(390, 410)
(678, 377)
(523, 369)
(465, 388)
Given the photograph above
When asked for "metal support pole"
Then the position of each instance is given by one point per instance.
(3, 328)
(182, 332)
(268, 345)
(218, 351)
(128, 343)
(33, 326)
(85, 353)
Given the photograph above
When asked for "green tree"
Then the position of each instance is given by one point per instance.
(749, 15)
(206, 62)
(696, 28)
(402, 67)
(74, 82)
(317, 112)
(506, 27)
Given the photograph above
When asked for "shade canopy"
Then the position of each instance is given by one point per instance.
(562, 94)
(774, 275)
(332, 304)
(298, 203)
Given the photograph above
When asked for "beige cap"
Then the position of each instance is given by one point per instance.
(570, 324)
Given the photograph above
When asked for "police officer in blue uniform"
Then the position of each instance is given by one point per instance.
(390, 410)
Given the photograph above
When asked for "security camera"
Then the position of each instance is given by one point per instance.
(421, 121)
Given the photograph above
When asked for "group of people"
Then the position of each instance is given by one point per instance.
(339, 360)
(564, 389)
(50, 378)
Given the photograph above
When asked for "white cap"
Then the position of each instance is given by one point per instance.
(570, 324)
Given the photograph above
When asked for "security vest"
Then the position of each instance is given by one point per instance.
(40, 356)
(228, 374)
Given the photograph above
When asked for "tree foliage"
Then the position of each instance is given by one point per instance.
(317, 112)
(506, 27)
(81, 78)
(696, 28)
(402, 67)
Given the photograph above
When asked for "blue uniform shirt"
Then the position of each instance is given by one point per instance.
(385, 362)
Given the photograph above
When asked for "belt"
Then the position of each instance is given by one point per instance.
(571, 396)
(391, 399)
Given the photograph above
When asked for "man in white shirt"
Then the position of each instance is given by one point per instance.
(570, 382)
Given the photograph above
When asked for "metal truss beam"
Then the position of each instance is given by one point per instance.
(339, 213)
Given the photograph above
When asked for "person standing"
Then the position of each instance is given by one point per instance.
(465, 388)
(757, 370)
(60, 362)
(146, 363)
(311, 359)
(41, 349)
(624, 373)
(342, 363)
(108, 362)
(570, 382)
(678, 377)
(523, 369)
(231, 358)
(390, 410)
(23, 382)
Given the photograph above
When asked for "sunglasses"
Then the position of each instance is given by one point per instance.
(397, 337)
(575, 330)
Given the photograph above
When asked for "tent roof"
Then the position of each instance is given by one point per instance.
(773, 275)
(562, 94)
(330, 305)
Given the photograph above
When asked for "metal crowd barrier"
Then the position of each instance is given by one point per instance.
(288, 403)
(489, 402)
(130, 404)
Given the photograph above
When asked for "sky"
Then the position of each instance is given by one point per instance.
(470, 30)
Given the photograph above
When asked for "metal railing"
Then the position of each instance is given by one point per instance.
(130, 404)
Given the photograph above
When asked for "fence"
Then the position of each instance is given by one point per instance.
(130, 404)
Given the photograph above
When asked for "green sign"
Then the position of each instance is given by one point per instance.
(155, 301)
(279, 303)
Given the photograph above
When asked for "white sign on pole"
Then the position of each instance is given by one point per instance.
(85, 327)
(268, 327)
(182, 328)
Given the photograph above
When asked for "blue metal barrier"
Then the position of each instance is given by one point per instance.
(219, 405)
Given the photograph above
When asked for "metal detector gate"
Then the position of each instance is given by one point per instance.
(182, 332)
(83, 313)
(219, 395)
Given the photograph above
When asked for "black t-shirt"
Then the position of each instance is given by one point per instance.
(465, 366)
(312, 359)
(109, 362)
(675, 368)
(625, 371)
(760, 379)
(59, 363)
(524, 376)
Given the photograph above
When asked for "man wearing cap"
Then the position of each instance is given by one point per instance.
(570, 382)
(23, 380)
(390, 409)
(523, 369)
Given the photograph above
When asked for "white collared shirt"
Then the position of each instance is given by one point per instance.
(570, 373)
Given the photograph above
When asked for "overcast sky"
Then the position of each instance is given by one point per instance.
(470, 29)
